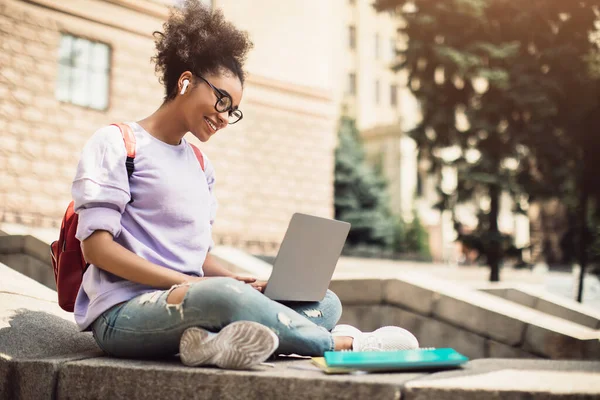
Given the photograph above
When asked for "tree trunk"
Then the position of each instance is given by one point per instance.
(583, 238)
(494, 249)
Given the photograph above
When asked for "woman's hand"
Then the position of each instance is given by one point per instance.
(256, 284)
(245, 279)
(259, 285)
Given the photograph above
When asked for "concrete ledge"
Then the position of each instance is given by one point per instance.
(412, 292)
(124, 379)
(429, 331)
(99, 378)
(35, 379)
(29, 256)
(489, 325)
(32, 325)
(478, 317)
(25, 244)
(42, 355)
(547, 303)
(510, 379)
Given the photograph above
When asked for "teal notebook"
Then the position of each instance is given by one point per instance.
(395, 360)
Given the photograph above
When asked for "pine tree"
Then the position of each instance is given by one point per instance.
(360, 193)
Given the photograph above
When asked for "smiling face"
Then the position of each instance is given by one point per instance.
(198, 102)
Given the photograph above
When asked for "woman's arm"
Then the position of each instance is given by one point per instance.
(212, 267)
(101, 250)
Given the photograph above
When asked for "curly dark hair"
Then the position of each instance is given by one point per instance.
(199, 40)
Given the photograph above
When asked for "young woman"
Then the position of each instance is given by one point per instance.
(152, 289)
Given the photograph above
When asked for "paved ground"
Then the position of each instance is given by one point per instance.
(559, 283)
(565, 284)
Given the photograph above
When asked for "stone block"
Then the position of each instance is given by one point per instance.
(36, 336)
(32, 267)
(494, 318)
(554, 305)
(32, 325)
(432, 333)
(25, 244)
(520, 297)
(365, 318)
(105, 378)
(358, 291)
(35, 379)
(573, 312)
(499, 350)
(560, 339)
(500, 292)
(549, 303)
(409, 294)
(497, 379)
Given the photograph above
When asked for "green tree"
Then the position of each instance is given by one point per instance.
(411, 238)
(509, 70)
(360, 193)
(573, 64)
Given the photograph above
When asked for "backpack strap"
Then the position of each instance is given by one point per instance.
(199, 156)
(129, 139)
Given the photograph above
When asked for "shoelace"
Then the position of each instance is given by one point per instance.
(371, 343)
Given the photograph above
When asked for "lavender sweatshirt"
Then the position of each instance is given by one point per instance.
(169, 222)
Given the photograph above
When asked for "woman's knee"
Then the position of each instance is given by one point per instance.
(331, 306)
(178, 293)
(221, 293)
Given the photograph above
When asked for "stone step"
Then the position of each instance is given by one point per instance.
(42, 355)
(28, 255)
(471, 312)
(546, 302)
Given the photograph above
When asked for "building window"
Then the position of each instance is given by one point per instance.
(352, 37)
(351, 89)
(394, 95)
(393, 51)
(377, 92)
(83, 72)
(377, 46)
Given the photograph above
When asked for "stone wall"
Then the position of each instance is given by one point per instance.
(277, 161)
(477, 324)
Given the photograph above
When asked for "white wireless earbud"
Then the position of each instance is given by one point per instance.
(185, 85)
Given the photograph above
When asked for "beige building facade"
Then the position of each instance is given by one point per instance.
(277, 161)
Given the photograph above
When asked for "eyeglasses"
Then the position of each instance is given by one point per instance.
(224, 103)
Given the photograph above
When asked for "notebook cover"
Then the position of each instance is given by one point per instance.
(395, 360)
(320, 362)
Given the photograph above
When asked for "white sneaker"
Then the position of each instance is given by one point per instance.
(240, 345)
(387, 338)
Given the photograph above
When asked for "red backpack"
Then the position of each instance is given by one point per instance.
(67, 258)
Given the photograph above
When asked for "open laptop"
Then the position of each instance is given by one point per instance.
(307, 258)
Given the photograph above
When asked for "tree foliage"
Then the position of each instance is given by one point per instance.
(514, 87)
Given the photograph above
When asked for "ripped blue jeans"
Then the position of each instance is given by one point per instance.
(146, 326)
